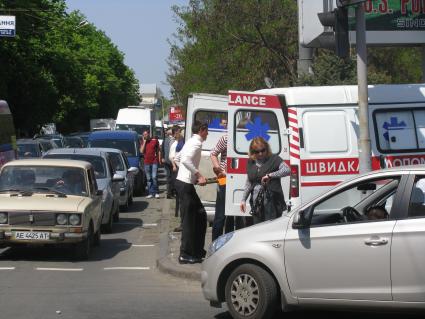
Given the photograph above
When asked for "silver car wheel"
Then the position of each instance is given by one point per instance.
(245, 294)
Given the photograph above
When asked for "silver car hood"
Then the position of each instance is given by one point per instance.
(271, 230)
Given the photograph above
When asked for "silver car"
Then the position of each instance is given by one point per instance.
(106, 178)
(360, 245)
(122, 167)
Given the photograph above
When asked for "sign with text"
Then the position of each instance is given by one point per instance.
(392, 15)
(7, 26)
(176, 114)
(388, 22)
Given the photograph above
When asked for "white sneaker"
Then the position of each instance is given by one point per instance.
(156, 195)
(149, 196)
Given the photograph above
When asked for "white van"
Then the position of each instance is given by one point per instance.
(210, 108)
(136, 118)
(316, 129)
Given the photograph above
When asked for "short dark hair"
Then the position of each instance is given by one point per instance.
(175, 129)
(198, 126)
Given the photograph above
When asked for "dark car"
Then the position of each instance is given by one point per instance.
(57, 138)
(29, 148)
(128, 142)
(73, 142)
(83, 135)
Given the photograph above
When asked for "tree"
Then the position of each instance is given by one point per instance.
(235, 44)
(56, 70)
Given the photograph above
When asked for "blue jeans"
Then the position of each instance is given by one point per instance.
(151, 171)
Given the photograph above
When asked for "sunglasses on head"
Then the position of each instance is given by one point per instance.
(258, 151)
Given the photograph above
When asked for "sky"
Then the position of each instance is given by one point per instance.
(140, 29)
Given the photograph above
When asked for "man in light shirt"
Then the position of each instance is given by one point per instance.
(194, 217)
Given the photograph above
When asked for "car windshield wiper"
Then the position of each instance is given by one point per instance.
(50, 190)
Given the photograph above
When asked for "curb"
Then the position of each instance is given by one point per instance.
(164, 263)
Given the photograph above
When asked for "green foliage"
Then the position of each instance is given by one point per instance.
(58, 69)
(234, 44)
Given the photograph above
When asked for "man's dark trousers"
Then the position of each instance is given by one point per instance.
(219, 216)
(194, 221)
(168, 172)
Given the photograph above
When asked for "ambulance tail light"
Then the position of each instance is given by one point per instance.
(294, 181)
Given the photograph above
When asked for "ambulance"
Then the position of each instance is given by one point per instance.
(316, 131)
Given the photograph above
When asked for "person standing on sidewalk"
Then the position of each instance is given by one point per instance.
(152, 157)
(165, 149)
(173, 156)
(194, 217)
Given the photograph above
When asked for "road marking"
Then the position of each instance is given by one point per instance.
(126, 268)
(150, 225)
(60, 269)
(7, 268)
(136, 245)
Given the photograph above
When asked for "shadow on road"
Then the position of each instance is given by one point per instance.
(333, 315)
(108, 249)
(126, 224)
(137, 207)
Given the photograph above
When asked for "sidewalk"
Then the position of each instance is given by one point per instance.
(170, 246)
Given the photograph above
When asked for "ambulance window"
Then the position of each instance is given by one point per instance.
(217, 126)
(395, 129)
(254, 124)
(320, 137)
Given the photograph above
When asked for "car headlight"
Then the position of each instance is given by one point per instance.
(218, 243)
(74, 219)
(3, 218)
(61, 219)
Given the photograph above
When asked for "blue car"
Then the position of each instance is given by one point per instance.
(128, 142)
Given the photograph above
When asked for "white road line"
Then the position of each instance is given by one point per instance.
(150, 225)
(60, 269)
(135, 245)
(7, 268)
(126, 268)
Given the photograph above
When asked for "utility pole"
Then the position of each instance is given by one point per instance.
(365, 162)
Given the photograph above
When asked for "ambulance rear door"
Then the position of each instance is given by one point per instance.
(210, 109)
(251, 115)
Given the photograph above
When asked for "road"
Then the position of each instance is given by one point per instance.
(119, 281)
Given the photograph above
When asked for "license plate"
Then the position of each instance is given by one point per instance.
(30, 235)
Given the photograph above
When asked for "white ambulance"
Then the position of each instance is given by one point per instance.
(316, 130)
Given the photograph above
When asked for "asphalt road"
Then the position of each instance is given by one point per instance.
(119, 281)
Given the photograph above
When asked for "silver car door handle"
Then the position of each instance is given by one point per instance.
(376, 241)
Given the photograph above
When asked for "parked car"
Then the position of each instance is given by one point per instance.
(83, 135)
(122, 167)
(73, 142)
(46, 145)
(359, 245)
(128, 142)
(57, 138)
(40, 205)
(106, 179)
(29, 148)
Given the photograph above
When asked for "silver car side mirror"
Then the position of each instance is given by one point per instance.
(118, 178)
(133, 170)
(301, 220)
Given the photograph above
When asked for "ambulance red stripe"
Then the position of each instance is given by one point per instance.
(330, 183)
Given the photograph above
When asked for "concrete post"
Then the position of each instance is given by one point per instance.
(364, 141)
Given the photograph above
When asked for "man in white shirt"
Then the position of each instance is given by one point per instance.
(194, 217)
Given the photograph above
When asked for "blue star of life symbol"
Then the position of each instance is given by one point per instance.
(394, 124)
(257, 129)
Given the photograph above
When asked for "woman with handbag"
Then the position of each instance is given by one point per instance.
(264, 171)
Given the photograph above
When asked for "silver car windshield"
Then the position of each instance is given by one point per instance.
(60, 180)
